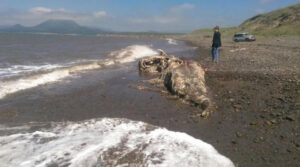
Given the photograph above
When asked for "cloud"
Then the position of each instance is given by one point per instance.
(175, 18)
(186, 6)
(100, 14)
(43, 10)
(39, 14)
(40, 10)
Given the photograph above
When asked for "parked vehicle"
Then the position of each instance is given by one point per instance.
(243, 37)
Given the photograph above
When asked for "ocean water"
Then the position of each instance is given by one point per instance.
(30, 62)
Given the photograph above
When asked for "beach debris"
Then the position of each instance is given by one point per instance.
(239, 49)
(184, 78)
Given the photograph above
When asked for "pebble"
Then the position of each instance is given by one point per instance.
(269, 123)
(233, 142)
(253, 123)
(282, 100)
(204, 114)
(278, 114)
(237, 106)
(290, 117)
(255, 140)
(262, 139)
(273, 121)
(238, 134)
(273, 114)
(264, 158)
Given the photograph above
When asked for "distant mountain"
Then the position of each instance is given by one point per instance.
(280, 22)
(15, 28)
(55, 26)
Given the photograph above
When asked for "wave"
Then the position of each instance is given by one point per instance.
(172, 41)
(106, 142)
(132, 53)
(16, 70)
(129, 54)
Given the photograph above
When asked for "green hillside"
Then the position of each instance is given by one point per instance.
(281, 22)
(226, 32)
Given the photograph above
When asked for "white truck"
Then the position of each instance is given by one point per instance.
(243, 37)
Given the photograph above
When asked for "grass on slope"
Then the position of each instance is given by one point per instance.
(226, 32)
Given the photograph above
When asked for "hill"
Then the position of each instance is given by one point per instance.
(284, 21)
(54, 26)
(281, 22)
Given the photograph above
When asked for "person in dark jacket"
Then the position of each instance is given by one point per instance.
(216, 44)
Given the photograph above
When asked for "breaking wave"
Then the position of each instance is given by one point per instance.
(172, 41)
(15, 70)
(105, 142)
(53, 73)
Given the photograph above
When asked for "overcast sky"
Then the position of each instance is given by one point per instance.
(138, 15)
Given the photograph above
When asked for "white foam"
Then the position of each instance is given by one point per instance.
(172, 41)
(132, 53)
(107, 142)
(129, 54)
(21, 69)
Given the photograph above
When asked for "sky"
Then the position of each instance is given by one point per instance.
(138, 15)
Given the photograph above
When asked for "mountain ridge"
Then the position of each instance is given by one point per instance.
(55, 26)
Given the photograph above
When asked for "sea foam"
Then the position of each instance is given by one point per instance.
(107, 142)
(171, 41)
(16, 70)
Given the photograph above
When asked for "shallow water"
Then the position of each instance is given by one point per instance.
(62, 78)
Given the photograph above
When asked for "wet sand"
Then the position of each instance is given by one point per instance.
(255, 121)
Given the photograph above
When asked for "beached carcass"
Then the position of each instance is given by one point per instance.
(184, 78)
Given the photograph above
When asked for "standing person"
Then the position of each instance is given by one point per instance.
(216, 44)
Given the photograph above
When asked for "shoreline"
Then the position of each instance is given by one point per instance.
(259, 100)
(242, 126)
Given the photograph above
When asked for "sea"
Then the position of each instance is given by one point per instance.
(34, 67)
